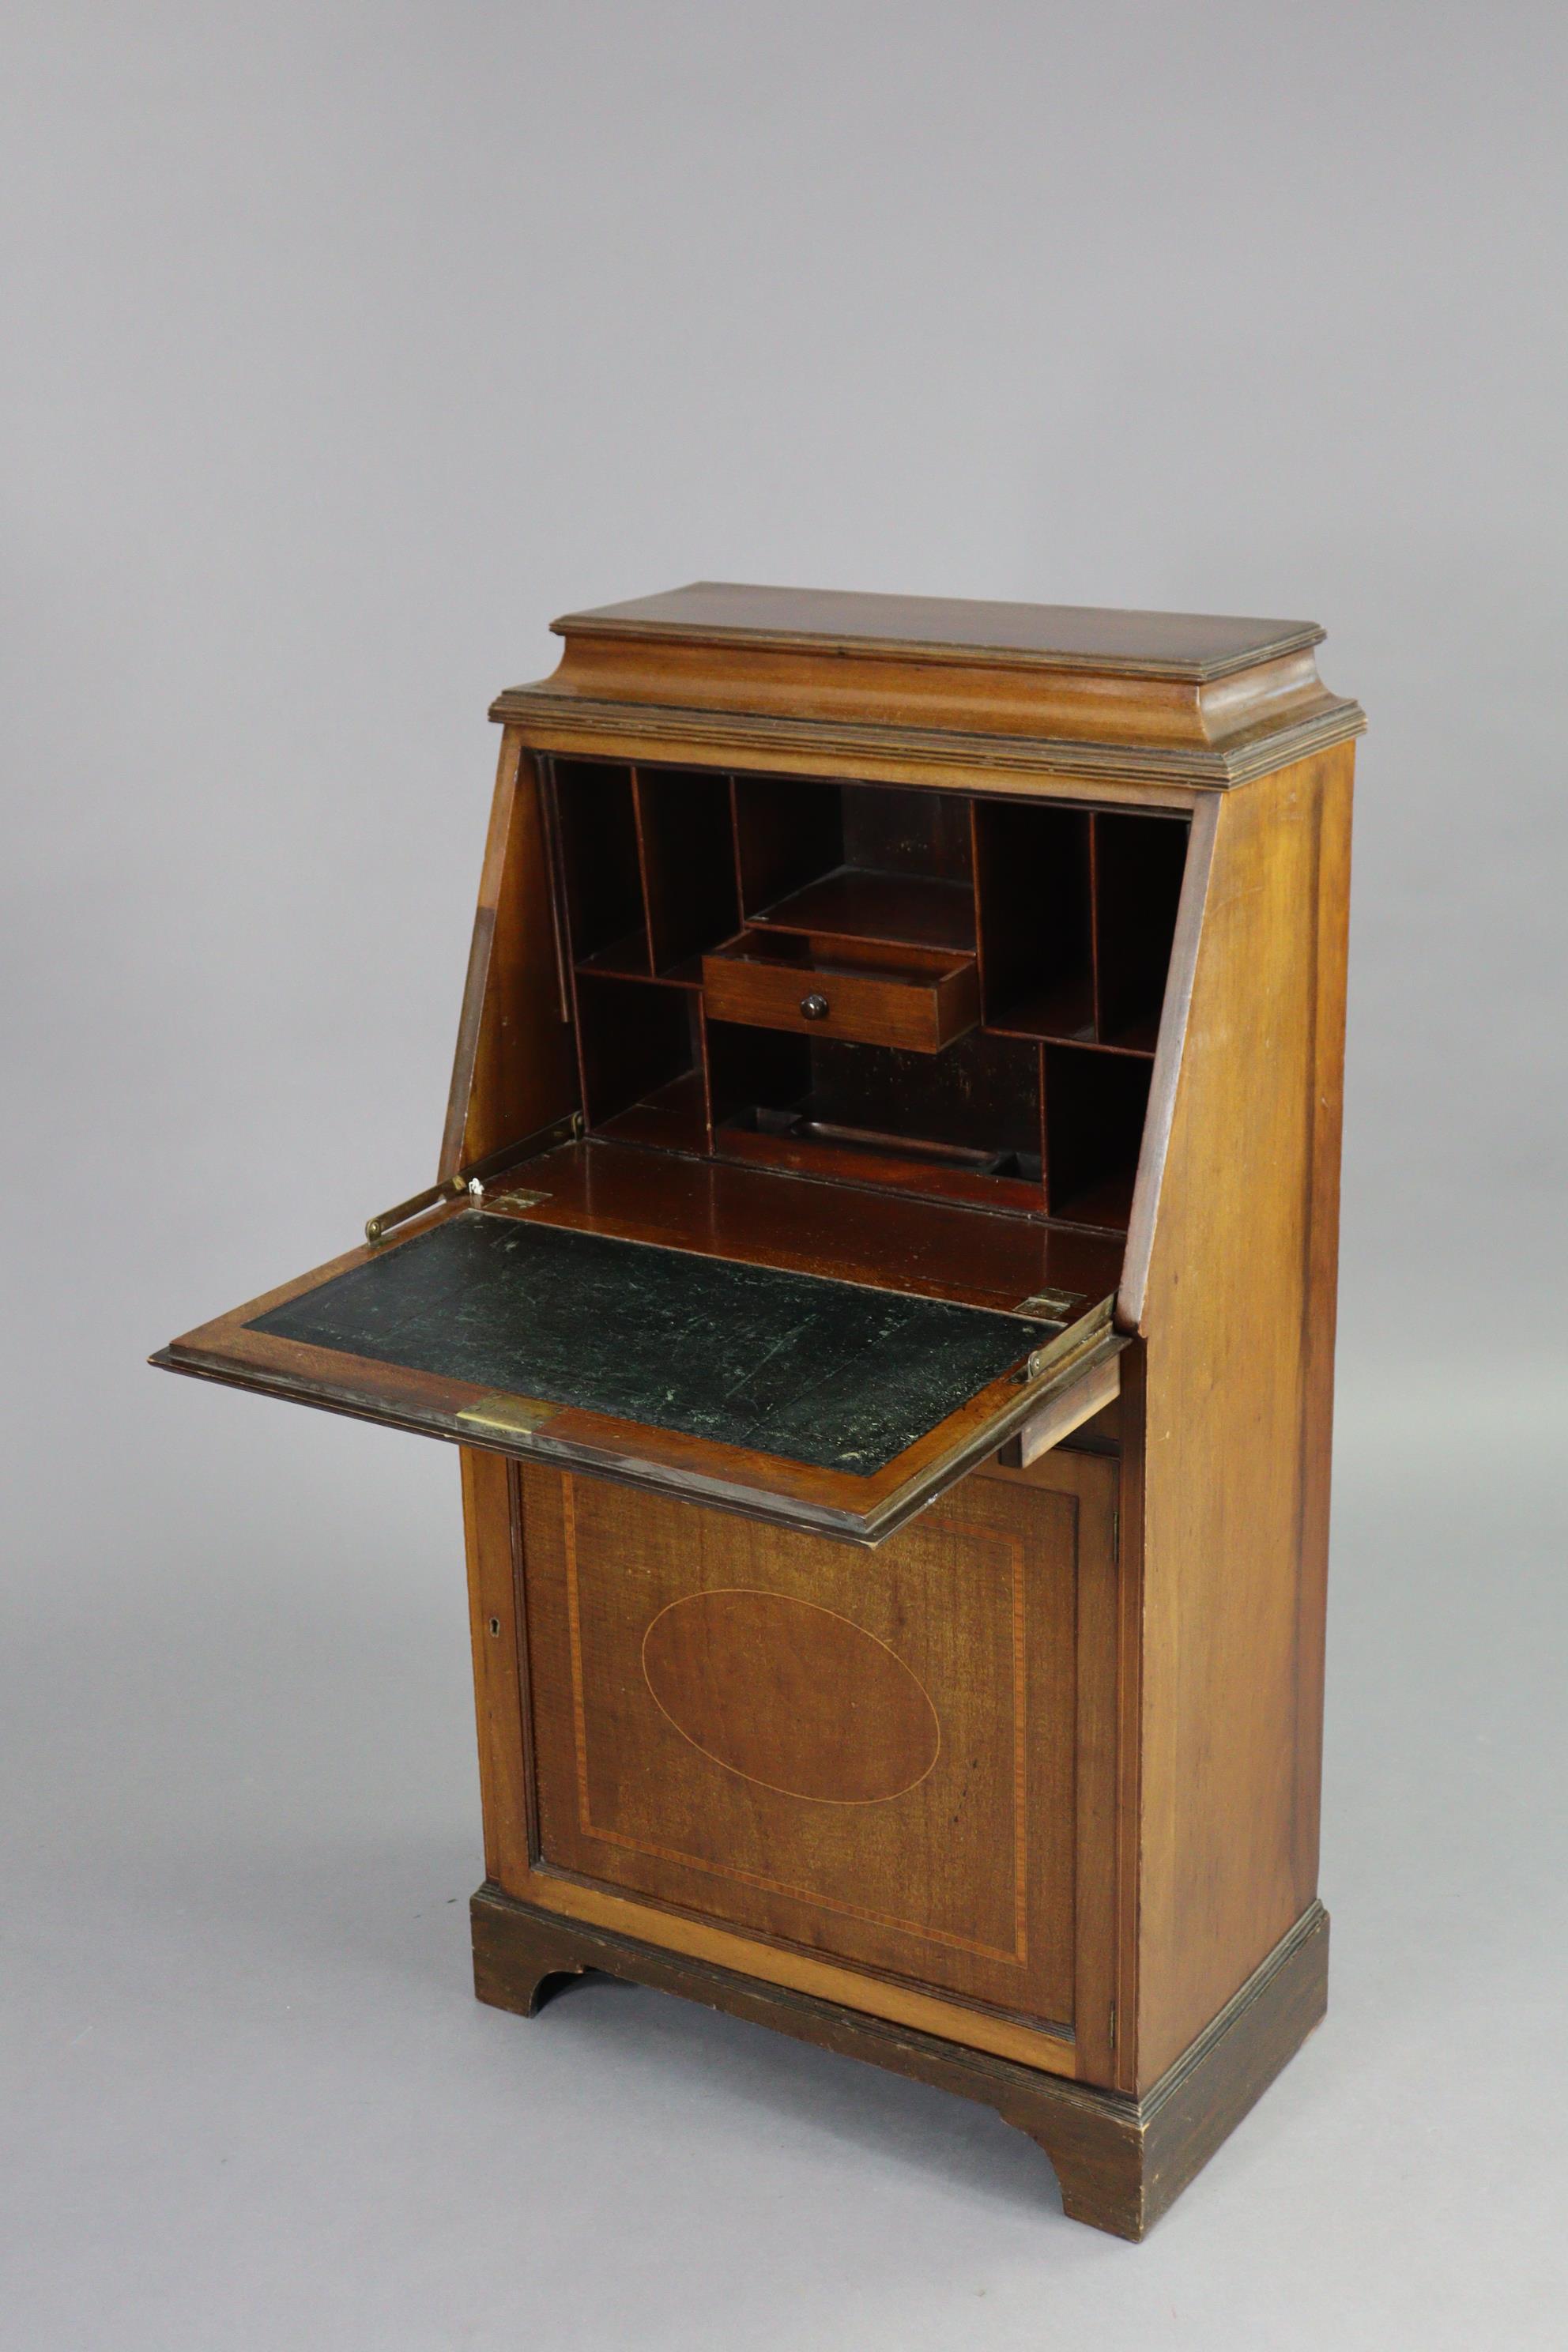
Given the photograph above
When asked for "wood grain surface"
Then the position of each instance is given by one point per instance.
(1239, 1313)
(915, 1814)
(514, 1069)
(762, 677)
(1096, 637)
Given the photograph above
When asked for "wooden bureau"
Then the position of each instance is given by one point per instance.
(880, 1274)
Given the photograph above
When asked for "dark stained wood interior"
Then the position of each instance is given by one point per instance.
(930, 953)
(688, 862)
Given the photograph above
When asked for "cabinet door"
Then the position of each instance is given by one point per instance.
(894, 1760)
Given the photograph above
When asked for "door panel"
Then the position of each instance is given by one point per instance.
(870, 1756)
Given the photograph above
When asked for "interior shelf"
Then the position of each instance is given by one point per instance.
(1138, 862)
(625, 958)
(1095, 1106)
(859, 861)
(636, 1039)
(686, 841)
(1033, 889)
(629, 958)
(601, 873)
(673, 1117)
(901, 909)
(1062, 1008)
(1139, 1036)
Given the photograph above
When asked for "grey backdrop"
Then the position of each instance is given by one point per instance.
(349, 343)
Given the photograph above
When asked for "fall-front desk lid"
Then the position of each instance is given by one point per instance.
(839, 1406)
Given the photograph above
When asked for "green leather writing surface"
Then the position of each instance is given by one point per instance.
(829, 1373)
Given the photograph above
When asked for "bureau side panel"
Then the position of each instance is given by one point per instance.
(514, 1070)
(1239, 1319)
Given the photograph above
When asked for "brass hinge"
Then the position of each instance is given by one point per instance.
(1116, 1534)
(1089, 1331)
(1051, 1305)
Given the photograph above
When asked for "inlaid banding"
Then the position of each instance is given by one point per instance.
(791, 1695)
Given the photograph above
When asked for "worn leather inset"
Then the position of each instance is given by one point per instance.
(831, 1373)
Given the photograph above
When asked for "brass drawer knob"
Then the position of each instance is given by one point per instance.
(814, 1007)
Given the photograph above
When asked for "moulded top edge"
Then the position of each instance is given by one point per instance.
(1196, 647)
(551, 721)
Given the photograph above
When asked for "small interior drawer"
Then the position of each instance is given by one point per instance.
(863, 991)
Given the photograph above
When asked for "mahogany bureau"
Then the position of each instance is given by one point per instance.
(880, 1276)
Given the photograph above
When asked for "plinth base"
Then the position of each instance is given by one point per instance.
(1120, 2161)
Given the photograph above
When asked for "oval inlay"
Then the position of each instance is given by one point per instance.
(791, 1695)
